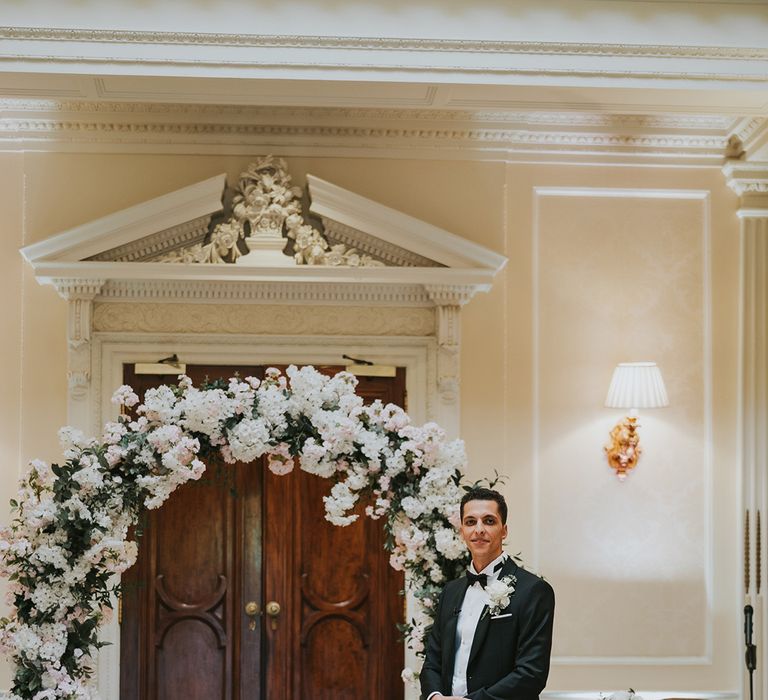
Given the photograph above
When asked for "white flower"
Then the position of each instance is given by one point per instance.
(410, 677)
(372, 450)
(499, 593)
(413, 507)
(249, 439)
(448, 543)
(125, 396)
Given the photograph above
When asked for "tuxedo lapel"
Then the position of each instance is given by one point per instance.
(481, 631)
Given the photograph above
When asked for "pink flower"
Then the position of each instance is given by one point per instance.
(279, 459)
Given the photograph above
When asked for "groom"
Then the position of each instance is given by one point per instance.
(492, 634)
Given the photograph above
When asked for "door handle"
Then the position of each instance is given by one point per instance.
(273, 610)
(252, 610)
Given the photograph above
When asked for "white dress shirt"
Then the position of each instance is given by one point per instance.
(475, 600)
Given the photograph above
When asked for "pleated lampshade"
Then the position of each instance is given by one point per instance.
(637, 385)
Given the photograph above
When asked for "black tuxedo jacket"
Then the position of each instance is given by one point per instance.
(509, 659)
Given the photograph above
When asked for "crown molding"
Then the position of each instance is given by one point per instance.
(110, 52)
(115, 36)
(246, 114)
(392, 133)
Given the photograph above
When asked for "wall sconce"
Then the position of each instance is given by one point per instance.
(634, 385)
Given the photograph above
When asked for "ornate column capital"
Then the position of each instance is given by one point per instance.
(85, 289)
(749, 180)
(450, 294)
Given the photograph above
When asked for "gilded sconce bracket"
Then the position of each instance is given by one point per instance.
(623, 451)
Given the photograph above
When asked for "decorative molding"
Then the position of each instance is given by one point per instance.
(750, 127)
(151, 247)
(79, 295)
(215, 114)
(393, 133)
(448, 354)
(266, 212)
(449, 295)
(129, 225)
(265, 208)
(263, 319)
(749, 180)
(702, 196)
(448, 301)
(377, 248)
(471, 143)
(400, 229)
(265, 292)
(753, 397)
(115, 36)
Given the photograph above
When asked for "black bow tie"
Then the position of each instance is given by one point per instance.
(482, 579)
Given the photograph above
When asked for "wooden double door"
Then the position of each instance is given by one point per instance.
(240, 543)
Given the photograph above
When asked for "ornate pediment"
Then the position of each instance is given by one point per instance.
(262, 236)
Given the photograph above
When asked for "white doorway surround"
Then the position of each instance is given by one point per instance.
(167, 277)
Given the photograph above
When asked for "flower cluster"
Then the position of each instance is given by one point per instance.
(69, 534)
(499, 594)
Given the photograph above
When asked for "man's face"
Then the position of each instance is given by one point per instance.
(482, 530)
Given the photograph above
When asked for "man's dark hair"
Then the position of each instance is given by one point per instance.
(483, 494)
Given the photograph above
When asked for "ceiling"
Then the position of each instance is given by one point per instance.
(97, 88)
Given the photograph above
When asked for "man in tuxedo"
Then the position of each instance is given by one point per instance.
(480, 647)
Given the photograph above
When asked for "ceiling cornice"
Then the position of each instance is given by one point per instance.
(116, 36)
(378, 59)
(392, 133)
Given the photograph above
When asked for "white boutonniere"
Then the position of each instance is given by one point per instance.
(499, 593)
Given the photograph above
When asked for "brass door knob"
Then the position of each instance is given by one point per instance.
(252, 610)
(273, 610)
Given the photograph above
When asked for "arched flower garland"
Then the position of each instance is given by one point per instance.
(69, 533)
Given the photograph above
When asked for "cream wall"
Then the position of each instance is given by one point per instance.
(537, 353)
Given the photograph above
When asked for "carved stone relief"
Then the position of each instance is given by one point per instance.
(267, 210)
(264, 319)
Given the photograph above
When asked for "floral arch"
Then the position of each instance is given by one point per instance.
(69, 533)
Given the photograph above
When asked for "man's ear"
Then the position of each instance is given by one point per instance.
(505, 532)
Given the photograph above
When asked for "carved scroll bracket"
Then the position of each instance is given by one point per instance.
(448, 301)
(79, 295)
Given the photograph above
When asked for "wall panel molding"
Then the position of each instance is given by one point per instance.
(540, 195)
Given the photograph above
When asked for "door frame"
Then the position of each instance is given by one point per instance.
(111, 350)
